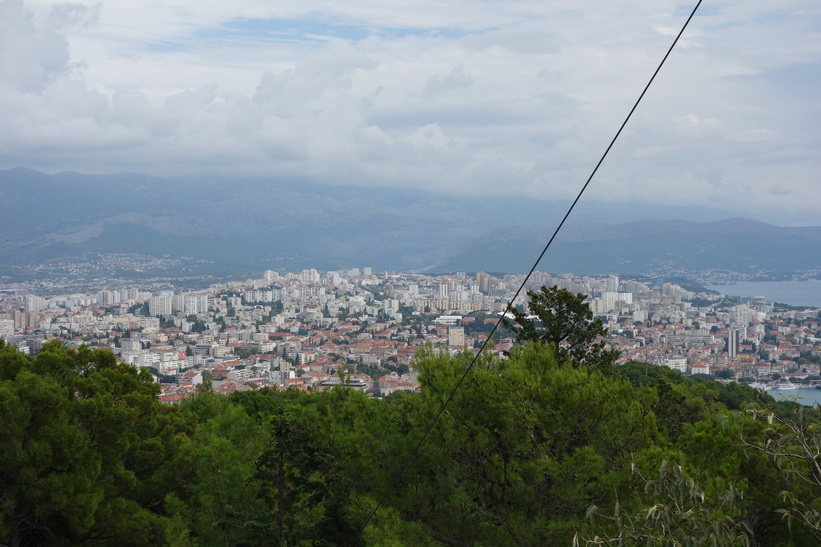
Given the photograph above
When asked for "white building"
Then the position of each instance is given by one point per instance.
(676, 363)
(35, 303)
(160, 305)
(456, 337)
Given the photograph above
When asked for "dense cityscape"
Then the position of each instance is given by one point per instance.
(311, 330)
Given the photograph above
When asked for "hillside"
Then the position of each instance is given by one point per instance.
(252, 224)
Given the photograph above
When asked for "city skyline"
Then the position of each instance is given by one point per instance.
(307, 322)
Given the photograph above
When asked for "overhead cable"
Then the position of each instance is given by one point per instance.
(415, 451)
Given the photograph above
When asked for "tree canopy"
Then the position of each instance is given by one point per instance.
(562, 318)
(533, 449)
(88, 453)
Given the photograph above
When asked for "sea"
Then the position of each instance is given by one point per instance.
(794, 293)
(805, 396)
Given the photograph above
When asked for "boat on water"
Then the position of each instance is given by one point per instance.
(759, 385)
(786, 386)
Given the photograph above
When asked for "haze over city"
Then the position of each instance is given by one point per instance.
(492, 98)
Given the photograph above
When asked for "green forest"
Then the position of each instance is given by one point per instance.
(539, 448)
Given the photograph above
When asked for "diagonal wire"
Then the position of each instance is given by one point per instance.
(415, 450)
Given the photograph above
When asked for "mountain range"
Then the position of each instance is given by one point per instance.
(247, 225)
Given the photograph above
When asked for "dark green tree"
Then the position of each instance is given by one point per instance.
(301, 485)
(523, 449)
(88, 452)
(562, 318)
(218, 505)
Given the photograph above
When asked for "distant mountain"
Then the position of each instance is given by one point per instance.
(667, 246)
(253, 224)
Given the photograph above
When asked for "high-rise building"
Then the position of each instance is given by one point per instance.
(106, 298)
(732, 343)
(741, 315)
(159, 305)
(456, 337)
(612, 284)
(35, 303)
(23, 319)
(483, 280)
(609, 299)
(177, 303)
(198, 303)
(309, 276)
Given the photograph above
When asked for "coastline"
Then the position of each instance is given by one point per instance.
(808, 396)
(794, 293)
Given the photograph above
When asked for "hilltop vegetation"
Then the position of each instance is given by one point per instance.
(525, 450)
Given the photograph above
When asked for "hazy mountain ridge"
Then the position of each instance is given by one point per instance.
(739, 245)
(252, 223)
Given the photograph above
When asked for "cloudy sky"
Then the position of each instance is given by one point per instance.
(514, 97)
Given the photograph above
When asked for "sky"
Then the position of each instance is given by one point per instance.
(514, 97)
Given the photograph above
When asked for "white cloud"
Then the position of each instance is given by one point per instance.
(493, 97)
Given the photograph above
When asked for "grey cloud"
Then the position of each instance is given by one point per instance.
(455, 79)
(368, 112)
(68, 15)
(327, 70)
(30, 55)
